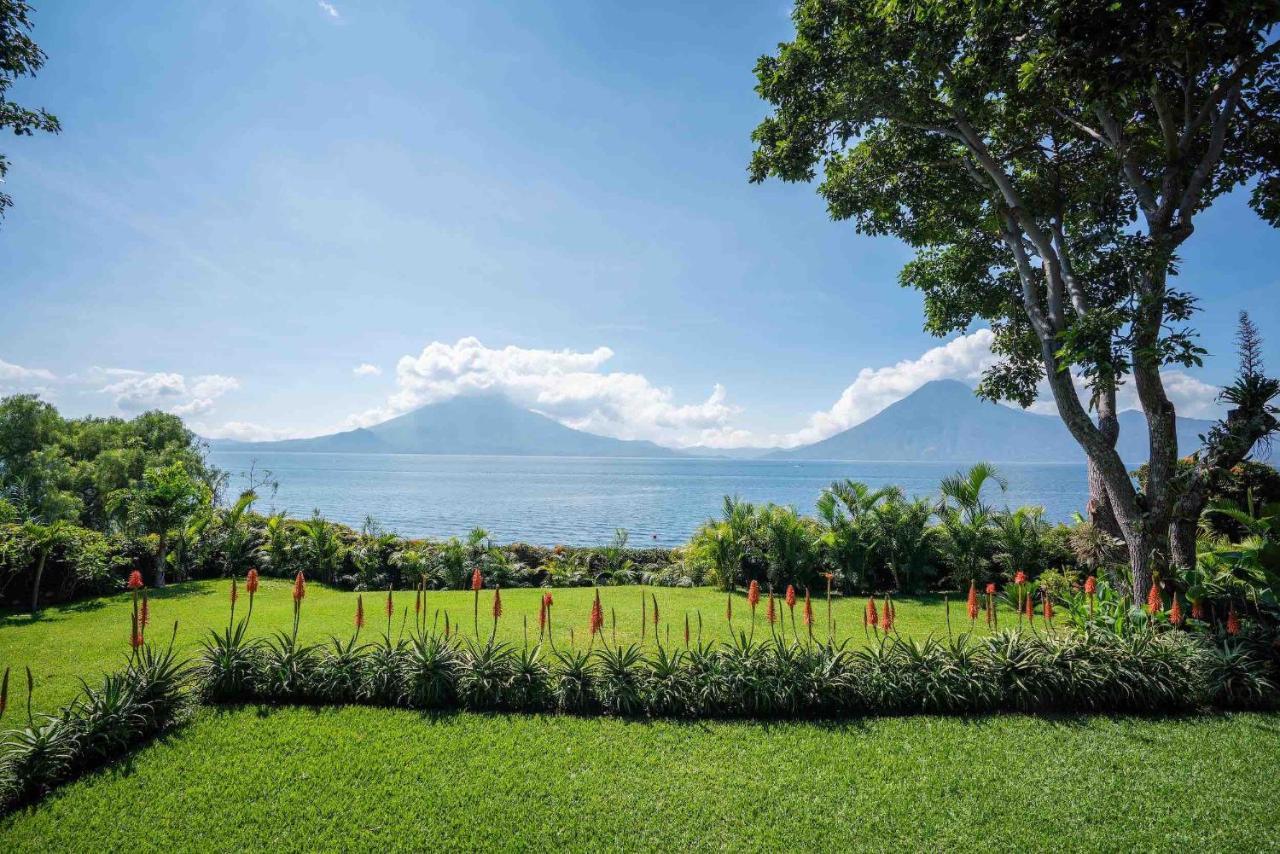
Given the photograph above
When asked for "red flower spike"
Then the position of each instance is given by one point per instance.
(770, 612)
(546, 598)
(596, 624)
(973, 600)
(360, 612)
(808, 609)
(753, 594)
(477, 580)
(135, 580)
(791, 597)
(251, 582)
(542, 616)
(391, 605)
(497, 603)
(299, 587)
(1175, 611)
(1233, 621)
(234, 594)
(1091, 585)
(991, 588)
(1197, 610)
(886, 622)
(1031, 614)
(1048, 608)
(1020, 578)
(872, 618)
(1154, 604)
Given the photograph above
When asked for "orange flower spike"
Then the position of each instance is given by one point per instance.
(135, 636)
(1197, 610)
(1175, 611)
(872, 618)
(144, 616)
(991, 588)
(1091, 585)
(791, 597)
(1233, 621)
(417, 601)
(753, 594)
(251, 582)
(135, 580)
(808, 609)
(886, 622)
(973, 600)
(1020, 578)
(360, 612)
(1030, 611)
(477, 580)
(770, 612)
(1048, 608)
(1154, 604)
(542, 615)
(234, 594)
(497, 602)
(299, 587)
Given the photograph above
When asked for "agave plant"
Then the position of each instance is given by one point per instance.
(485, 675)
(573, 682)
(431, 665)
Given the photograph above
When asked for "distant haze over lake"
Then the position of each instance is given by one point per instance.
(581, 500)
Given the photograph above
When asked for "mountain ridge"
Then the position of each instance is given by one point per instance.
(943, 420)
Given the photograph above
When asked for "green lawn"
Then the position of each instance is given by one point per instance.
(375, 779)
(361, 778)
(87, 638)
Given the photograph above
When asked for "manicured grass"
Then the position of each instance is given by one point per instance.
(83, 640)
(376, 779)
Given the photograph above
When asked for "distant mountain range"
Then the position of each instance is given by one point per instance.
(465, 425)
(943, 420)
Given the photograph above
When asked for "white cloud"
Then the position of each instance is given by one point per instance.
(16, 378)
(962, 358)
(570, 386)
(328, 8)
(244, 431)
(137, 391)
(365, 369)
(1191, 397)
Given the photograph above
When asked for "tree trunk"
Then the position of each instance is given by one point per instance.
(162, 556)
(35, 584)
(1101, 514)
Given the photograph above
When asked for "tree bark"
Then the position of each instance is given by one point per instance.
(1101, 514)
(162, 555)
(35, 584)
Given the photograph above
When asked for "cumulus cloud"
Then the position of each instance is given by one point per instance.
(328, 8)
(15, 378)
(570, 386)
(365, 369)
(243, 431)
(137, 391)
(873, 389)
(1191, 397)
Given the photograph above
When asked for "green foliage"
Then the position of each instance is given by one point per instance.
(20, 57)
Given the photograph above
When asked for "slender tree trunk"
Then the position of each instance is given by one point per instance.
(35, 584)
(162, 556)
(1101, 514)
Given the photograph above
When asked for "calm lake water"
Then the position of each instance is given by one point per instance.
(580, 501)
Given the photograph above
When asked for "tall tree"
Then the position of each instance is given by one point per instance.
(1046, 159)
(20, 56)
(161, 505)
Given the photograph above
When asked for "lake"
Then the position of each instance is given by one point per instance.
(580, 501)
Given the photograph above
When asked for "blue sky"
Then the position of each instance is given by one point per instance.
(250, 200)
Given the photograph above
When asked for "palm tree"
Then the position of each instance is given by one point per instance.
(323, 550)
(1018, 537)
(846, 511)
(161, 505)
(967, 520)
(900, 529)
(240, 540)
(279, 544)
(43, 539)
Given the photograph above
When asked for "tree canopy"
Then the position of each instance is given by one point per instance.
(1046, 160)
(20, 56)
